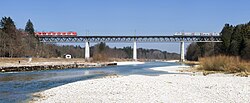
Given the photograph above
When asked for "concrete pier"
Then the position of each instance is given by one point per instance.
(87, 52)
(134, 52)
(182, 52)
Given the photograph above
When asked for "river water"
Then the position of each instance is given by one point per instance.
(19, 86)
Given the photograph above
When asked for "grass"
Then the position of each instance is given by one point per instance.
(191, 62)
(228, 64)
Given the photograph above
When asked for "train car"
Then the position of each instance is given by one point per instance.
(216, 34)
(196, 34)
(56, 34)
(185, 34)
(179, 34)
(210, 34)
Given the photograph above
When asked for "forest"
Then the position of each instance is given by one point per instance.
(235, 42)
(16, 42)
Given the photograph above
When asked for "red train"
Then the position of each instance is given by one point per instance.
(71, 33)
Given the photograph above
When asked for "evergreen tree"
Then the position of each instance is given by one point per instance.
(101, 47)
(193, 52)
(13, 40)
(236, 39)
(202, 48)
(226, 32)
(32, 40)
(245, 54)
(29, 28)
(129, 51)
(234, 42)
(7, 24)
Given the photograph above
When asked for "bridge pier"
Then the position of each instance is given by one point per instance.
(134, 52)
(87, 53)
(182, 52)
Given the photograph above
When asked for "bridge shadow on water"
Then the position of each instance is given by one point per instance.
(18, 87)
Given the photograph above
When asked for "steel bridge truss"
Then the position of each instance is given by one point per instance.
(80, 39)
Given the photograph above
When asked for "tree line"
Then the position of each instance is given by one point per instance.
(235, 42)
(24, 43)
(102, 52)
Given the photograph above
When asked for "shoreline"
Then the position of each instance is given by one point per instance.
(22, 68)
(173, 87)
(36, 64)
(25, 64)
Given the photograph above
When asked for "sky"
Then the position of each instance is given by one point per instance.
(124, 17)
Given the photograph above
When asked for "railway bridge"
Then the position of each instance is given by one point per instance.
(133, 39)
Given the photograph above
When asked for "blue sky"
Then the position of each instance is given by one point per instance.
(122, 17)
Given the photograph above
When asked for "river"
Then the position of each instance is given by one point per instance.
(18, 87)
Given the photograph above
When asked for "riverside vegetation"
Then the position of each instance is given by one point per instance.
(231, 56)
(227, 64)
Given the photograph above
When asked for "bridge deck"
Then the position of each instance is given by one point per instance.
(130, 39)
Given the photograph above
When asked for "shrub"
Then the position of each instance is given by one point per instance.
(229, 64)
(100, 57)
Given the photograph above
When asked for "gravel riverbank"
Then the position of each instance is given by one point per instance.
(29, 64)
(174, 87)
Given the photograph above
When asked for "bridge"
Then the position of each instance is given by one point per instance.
(134, 39)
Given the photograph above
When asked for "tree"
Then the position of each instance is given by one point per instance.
(7, 24)
(236, 38)
(129, 51)
(245, 54)
(29, 28)
(226, 32)
(31, 38)
(193, 52)
(3, 44)
(235, 42)
(12, 39)
(100, 52)
(101, 47)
